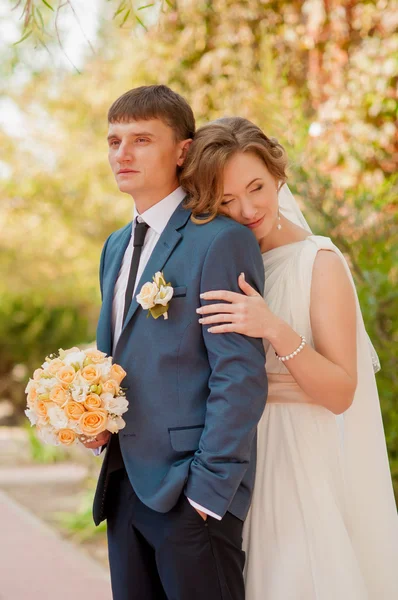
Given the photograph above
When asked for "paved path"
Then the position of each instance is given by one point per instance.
(36, 564)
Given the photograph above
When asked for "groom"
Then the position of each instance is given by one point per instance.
(176, 482)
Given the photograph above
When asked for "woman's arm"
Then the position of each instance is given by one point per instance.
(328, 373)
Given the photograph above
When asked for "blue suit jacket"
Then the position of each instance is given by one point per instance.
(195, 398)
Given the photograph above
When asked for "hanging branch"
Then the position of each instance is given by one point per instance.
(35, 21)
(60, 6)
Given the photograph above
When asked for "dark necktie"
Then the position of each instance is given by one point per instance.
(139, 237)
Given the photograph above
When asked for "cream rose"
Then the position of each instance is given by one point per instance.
(66, 436)
(80, 389)
(47, 434)
(66, 375)
(37, 374)
(45, 385)
(105, 369)
(93, 422)
(54, 366)
(93, 402)
(57, 416)
(117, 373)
(91, 374)
(159, 279)
(114, 425)
(116, 406)
(70, 350)
(147, 295)
(74, 410)
(95, 356)
(31, 416)
(75, 359)
(164, 296)
(30, 386)
(110, 386)
(62, 353)
(58, 395)
(43, 420)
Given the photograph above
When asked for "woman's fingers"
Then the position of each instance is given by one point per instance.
(215, 308)
(221, 295)
(230, 328)
(216, 319)
(245, 287)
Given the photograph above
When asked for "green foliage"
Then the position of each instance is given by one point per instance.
(30, 329)
(42, 453)
(42, 19)
(79, 524)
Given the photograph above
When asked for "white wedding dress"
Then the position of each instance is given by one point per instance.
(323, 522)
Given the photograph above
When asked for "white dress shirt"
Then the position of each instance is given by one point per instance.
(157, 218)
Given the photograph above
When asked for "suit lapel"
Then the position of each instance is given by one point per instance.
(114, 260)
(167, 242)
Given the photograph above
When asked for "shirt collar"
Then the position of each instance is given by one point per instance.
(159, 214)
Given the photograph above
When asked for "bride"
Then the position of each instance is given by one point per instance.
(323, 523)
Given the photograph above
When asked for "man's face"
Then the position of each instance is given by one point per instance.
(144, 156)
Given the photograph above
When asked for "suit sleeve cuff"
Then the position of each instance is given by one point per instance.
(203, 509)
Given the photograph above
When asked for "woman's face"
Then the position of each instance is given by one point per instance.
(250, 194)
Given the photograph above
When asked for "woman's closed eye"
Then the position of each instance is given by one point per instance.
(257, 189)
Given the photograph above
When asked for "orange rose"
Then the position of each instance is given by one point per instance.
(93, 422)
(118, 373)
(58, 395)
(110, 387)
(95, 356)
(32, 397)
(91, 374)
(55, 365)
(41, 408)
(66, 436)
(74, 410)
(66, 375)
(93, 402)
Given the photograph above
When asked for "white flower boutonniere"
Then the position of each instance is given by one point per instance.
(155, 296)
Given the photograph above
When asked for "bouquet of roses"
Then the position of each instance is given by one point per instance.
(76, 395)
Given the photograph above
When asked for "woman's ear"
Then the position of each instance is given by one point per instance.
(183, 151)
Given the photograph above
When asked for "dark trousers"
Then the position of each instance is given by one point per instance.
(171, 556)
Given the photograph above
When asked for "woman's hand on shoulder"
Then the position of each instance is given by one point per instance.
(247, 313)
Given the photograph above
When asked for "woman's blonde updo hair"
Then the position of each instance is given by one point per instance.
(213, 145)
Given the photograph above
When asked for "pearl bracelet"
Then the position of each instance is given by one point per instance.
(293, 354)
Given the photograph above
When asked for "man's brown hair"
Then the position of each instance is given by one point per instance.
(214, 144)
(155, 102)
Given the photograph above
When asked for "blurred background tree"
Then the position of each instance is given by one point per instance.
(319, 75)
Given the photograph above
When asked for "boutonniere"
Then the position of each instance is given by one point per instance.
(155, 296)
